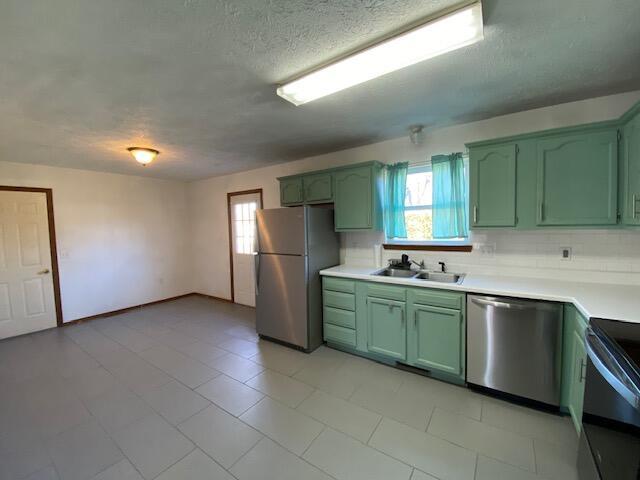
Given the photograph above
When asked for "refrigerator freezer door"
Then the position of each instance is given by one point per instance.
(281, 298)
(282, 230)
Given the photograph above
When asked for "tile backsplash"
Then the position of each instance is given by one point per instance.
(604, 256)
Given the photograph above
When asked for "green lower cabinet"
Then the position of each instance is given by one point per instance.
(387, 328)
(578, 370)
(436, 338)
(574, 362)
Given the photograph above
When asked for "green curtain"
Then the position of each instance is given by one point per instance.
(394, 195)
(450, 197)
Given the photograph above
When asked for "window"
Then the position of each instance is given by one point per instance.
(245, 227)
(418, 206)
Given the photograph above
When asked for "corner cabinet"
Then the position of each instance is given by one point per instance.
(631, 169)
(493, 185)
(577, 179)
(574, 364)
(355, 191)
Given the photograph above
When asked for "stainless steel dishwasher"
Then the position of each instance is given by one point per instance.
(515, 346)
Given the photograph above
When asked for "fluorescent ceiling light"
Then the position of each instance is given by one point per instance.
(441, 35)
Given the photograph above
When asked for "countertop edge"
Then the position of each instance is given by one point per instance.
(520, 293)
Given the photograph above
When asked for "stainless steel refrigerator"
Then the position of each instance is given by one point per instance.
(294, 244)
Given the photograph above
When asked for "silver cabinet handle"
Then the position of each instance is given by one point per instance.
(635, 206)
(583, 370)
(541, 211)
(415, 318)
(475, 214)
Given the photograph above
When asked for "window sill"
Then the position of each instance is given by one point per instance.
(432, 246)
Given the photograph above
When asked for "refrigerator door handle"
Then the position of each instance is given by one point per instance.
(256, 264)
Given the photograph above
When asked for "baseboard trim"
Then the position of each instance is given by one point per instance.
(212, 297)
(142, 305)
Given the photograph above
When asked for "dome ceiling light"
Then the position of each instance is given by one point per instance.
(143, 156)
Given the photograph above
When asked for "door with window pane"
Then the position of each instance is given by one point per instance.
(243, 233)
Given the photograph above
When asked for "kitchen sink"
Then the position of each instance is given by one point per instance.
(395, 272)
(440, 277)
(421, 275)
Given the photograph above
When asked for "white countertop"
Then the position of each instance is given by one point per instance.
(613, 302)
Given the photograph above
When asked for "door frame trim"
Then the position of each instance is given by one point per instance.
(52, 243)
(230, 195)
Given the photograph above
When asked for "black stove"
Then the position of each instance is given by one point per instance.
(610, 440)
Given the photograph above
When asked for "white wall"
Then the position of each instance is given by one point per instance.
(533, 253)
(122, 240)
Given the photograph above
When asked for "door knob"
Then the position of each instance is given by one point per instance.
(43, 272)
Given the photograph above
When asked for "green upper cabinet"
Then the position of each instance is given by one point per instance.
(436, 339)
(493, 185)
(386, 328)
(577, 179)
(318, 188)
(291, 192)
(356, 198)
(355, 191)
(631, 170)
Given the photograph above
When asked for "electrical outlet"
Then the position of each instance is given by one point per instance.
(565, 253)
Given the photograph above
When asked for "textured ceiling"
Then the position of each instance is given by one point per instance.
(81, 80)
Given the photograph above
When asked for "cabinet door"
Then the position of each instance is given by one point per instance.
(493, 186)
(353, 199)
(291, 191)
(578, 371)
(436, 338)
(631, 171)
(318, 188)
(577, 181)
(386, 328)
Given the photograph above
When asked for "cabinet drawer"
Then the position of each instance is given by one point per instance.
(338, 285)
(438, 298)
(344, 301)
(334, 333)
(342, 318)
(385, 291)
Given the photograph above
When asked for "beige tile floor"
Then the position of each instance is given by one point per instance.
(186, 390)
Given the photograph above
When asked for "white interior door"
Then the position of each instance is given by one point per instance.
(243, 233)
(27, 302)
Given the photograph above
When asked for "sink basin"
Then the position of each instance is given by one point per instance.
(440, 277)
(422, 275)
(395, 272)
